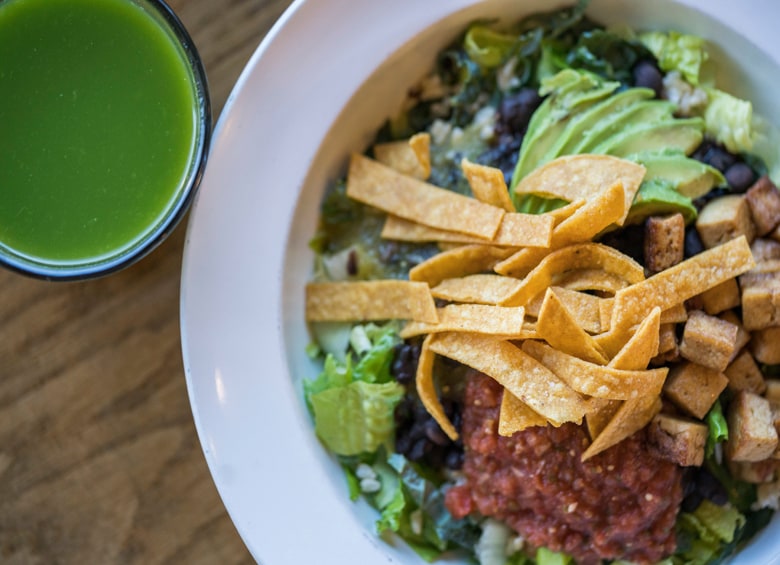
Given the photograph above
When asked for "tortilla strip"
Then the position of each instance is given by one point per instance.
(596, 380)
(523, 376)
(559, 328)
(516, 230)
(380, 186)
(498, 321)
(684, 280)
(566, 212)
(487, 184)
(479, 288)
(581, 176)
(515, 415)
(420, 144)
(585, 223)
(590, 279)
(458, 262)
(674, 315)
(634, 355)
(399, 156)
(370, 300)
(584, 308)
(426, 389)
(632, 416)
(578, 256)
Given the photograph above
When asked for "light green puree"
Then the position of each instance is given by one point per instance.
(97, 127)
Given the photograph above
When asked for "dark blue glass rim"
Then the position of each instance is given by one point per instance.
(178, 211)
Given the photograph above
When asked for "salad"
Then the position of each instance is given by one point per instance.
(678, 177)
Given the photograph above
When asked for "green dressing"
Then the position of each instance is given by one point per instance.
(98, 127)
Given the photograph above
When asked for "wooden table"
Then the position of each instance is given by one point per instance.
(99, 459)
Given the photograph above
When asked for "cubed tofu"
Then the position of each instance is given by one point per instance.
(752, 434)
(764, 249)
(772, 392)
(758, 472)
(694, 388)
(744, 374)
(743, 336)
(677, 439)
(720, 298)
(708, 340)
(724, 219)
(760, 307)
(763, 199)
(765, 345)
(664, 241)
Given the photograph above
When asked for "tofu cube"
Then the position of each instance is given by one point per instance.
(708, 340)
(664, 241)
(765, 249)
(772, 392)
(760, 307)
(724, 219)
(763, 199)
(676, 439)
(765, 345)
(752, 434)
(694, 388)
(743, 336)
(744, 374)
(722, 297)
(758, 472)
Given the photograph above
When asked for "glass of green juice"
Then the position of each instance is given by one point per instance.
(105, 123)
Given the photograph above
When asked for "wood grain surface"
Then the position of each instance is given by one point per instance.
(99, 459)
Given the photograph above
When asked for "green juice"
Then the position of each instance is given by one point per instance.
(98, 128)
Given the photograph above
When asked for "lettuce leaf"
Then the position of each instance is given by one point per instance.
(356, 418)
(677, 52)
(718, 428)
(729, 120)
(487, 47)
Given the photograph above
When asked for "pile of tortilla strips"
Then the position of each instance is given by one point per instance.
(568, 327)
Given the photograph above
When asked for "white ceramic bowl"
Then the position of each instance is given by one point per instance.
(317, 88)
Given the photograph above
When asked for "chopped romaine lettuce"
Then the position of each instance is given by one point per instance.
(718, 428)
(356, 418)
(353, 403)
(545, 556)
(729, 120)
(677, 52)
(487, 47)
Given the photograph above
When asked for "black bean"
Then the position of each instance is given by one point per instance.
(630, 241)
(419, 450)
(434, 433)
(405, 359)
(403, 441)
(740, 177)
(352, 263)
(515, 110)
(718, 157)
(710, 488)
(647, 74)
(693, 243)
(691, 502)
(454, 459)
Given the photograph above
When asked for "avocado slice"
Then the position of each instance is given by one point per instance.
(658, 197)
(553, 115)
(685, 135)
(642, 112)
(689, 177)
(584, 122)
